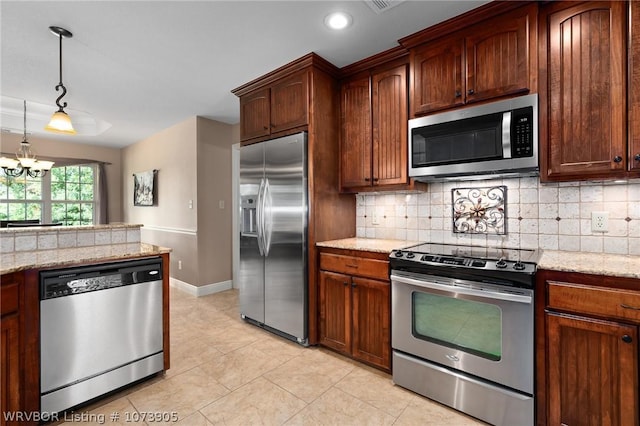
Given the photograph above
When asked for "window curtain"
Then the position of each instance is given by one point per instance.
(102, 213)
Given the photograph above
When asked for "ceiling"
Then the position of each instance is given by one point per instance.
(138, 67)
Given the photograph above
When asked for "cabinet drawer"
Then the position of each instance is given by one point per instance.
(370, 268)
(607, 302)
(9, 298)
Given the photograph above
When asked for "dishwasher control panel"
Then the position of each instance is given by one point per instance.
(69, 281)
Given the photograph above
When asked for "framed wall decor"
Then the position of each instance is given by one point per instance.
(479, 210)
(144, 188)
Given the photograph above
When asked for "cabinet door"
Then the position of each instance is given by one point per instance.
(254, 110)
(10, 366)
(335, 311)
(437, 76)
(497, 57)
(389, 110)
(586, 90)
(634, 87)
(355, 153)
(290, 102)
(371, 322)
(592, 371)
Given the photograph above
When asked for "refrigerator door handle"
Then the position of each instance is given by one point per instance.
(260, 218)
(267, 202)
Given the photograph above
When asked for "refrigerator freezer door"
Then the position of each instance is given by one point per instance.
(286, 235)
(251, 271)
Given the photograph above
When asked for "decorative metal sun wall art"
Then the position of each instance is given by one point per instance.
(479, 210)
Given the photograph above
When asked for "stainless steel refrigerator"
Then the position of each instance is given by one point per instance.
(273, 235)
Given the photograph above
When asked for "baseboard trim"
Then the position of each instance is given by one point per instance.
(200, 290)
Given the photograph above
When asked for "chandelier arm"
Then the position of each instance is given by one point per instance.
(17, 172)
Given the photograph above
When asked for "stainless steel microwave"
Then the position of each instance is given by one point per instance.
(497, 139)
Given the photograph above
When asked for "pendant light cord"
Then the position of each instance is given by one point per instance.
(60, 85)
(25, 120)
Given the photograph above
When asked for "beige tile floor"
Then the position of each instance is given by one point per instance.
(224, 371)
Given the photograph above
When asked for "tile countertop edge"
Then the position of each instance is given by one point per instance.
(616, 265)
(32, 229)
(57, 258)
(367, 244)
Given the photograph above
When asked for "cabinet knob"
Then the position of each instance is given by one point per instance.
(367, 179)
(471, 91)
(617, 159)
(353, 285)
(637, 157)
(345, 283)
(627, 339)
(376, 179)
(265, 128)
(458, 93)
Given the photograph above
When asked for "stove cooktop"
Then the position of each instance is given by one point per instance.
(470, 257)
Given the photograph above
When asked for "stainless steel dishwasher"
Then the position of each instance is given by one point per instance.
(100, 329)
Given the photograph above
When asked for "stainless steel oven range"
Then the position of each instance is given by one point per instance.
(462, 328)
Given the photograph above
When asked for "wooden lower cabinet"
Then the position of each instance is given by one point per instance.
(593, 371)
(587, 349)
(10, 365)
(355, 314)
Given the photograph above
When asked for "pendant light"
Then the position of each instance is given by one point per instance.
(25, 161)
(60, 121)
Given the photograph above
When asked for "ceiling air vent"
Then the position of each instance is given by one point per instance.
(379, 6)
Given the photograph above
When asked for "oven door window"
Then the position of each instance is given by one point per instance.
(467, 325)
(460, 141)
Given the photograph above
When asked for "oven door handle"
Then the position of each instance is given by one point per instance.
(488, 294)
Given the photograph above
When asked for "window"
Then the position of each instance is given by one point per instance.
(66, 194)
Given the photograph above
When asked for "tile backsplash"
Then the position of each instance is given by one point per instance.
(552, 216)
(52, 238)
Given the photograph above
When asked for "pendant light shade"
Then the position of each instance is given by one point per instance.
(60, 121)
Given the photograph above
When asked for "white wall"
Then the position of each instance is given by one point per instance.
(555, 216)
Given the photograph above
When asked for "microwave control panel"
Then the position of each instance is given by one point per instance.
(522, 132)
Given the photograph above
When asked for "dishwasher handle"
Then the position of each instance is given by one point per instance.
(83, 279)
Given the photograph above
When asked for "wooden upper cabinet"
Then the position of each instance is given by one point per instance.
(389, 110)
(374, 114)
(255, 112)
(437, 75)
(634, 87)
(487, 60)
(497, 57)
(282, 106)
(583, 100)
(356, 152)
(290, 102)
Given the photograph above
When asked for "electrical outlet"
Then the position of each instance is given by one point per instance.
(179, 264)
(599, 221)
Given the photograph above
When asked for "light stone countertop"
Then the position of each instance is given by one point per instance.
(32, 229)
(41, 259)
(367, 244)
(614, 265)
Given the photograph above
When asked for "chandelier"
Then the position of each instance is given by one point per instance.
(25, 161)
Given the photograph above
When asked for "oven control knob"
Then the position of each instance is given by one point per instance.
(398, 253)
(410, 255)
(501, 264)
(518, 266)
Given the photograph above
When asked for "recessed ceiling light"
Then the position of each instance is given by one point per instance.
(338, 20)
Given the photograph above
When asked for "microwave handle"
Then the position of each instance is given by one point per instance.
(506, 134)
